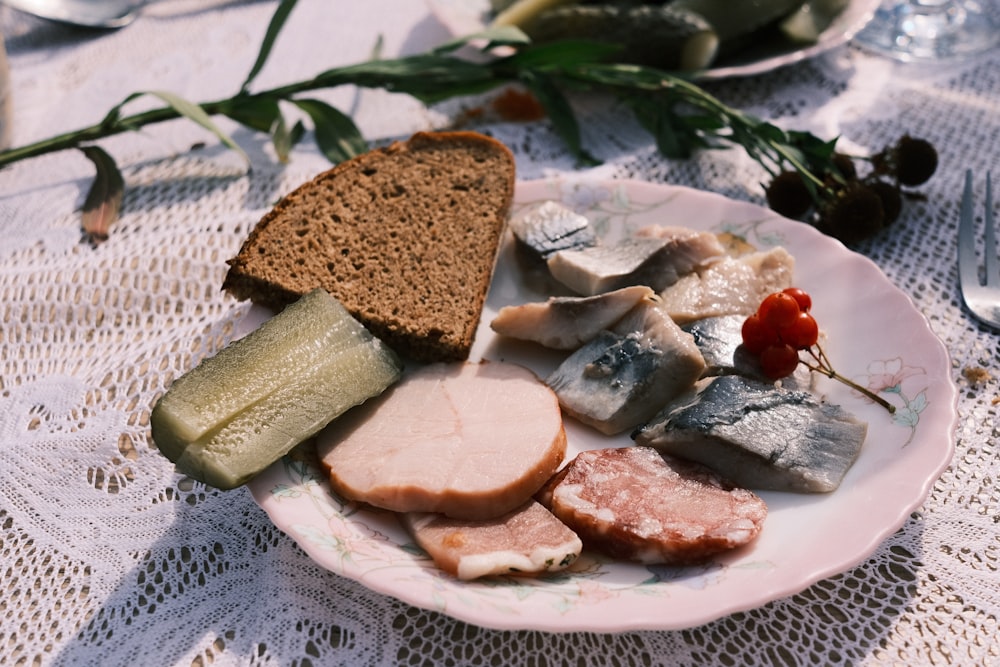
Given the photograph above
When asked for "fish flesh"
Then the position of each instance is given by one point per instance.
(733, 286)
(759, 435)
(638, 504)
(548, 227)
(528, 540)
(720, 340)
(656, 257)
(624, 375)
(567, 322)
(469, 440)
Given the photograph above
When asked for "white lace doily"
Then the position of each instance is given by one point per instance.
(107, 557)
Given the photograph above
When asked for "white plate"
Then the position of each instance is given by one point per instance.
(875, 336)
(465, 17)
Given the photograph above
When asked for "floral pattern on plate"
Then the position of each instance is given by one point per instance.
(875, 336)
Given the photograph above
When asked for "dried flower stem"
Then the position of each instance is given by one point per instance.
(824, 366)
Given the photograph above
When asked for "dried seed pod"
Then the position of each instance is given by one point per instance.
(788, 195)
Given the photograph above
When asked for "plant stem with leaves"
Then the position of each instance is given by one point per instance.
(681, 116)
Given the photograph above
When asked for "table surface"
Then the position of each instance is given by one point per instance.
(109, 557)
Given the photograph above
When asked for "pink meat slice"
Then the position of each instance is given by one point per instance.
(529, 540)
(468, 440)
(636, 504)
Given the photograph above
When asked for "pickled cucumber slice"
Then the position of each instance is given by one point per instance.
(733, 20)
(239, 411)
(523, 13)
(660, 36)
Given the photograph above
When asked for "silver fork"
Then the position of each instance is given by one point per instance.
(983, 301)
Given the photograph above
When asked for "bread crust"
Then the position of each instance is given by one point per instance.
(405, 236)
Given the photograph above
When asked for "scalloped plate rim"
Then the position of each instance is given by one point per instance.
(634, 608)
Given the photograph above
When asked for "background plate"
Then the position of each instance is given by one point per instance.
(465, 17)
(875, 336)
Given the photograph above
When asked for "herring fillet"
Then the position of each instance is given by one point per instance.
(567, 322)
(237, 412)
(657, 256)
(623, 376)
(728, 287)
(549, 227)
(759, 435)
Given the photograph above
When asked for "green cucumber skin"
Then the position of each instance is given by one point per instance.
(284, 344)
(650, 35)
(254, 439)
(338, 371)
(733, 19)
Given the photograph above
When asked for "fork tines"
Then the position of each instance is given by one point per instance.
(983, 300)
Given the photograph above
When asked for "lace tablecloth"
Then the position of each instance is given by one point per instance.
(108, 557)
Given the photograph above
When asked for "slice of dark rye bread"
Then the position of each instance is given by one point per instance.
(405, 237)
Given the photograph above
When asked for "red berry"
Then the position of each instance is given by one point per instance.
(757, 335)
(803, 333)
(801, 296)
(779, 310)
(779, 360)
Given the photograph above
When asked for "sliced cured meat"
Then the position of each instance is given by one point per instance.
(636, 504)
(567, 322)
(529, 540)
(472, 441)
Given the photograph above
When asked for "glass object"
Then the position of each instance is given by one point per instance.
(5, 102)
(931, 30)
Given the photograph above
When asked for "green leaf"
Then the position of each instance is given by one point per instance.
(257, 112)
(674, 138)
(559, 111)
(770, 132)
(336, 134)
(560, 54)
(284, 138)
(193, 112)
(273, 28)
(104, 199)
(430, 78)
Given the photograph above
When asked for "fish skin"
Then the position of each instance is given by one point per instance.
(623, 376)
(720, 340)
(567, 322)
(759, 435)
(546, 228)
(655, 256)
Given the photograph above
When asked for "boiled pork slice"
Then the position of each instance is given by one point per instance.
(622, 377)
(567, 322)
(529, 540)
(469, 440)
(637, 504)
(733, 286)
(759, 435)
